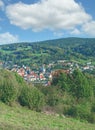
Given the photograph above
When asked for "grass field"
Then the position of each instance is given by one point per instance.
(19, 118)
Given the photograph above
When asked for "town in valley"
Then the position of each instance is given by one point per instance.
(44, 74)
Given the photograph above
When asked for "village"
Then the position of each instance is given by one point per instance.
(43, 74)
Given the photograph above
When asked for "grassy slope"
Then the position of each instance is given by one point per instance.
(18, 118)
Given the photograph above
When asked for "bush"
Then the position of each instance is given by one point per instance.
(83, 111)
(53, 97)
(80, 111)
(9, 87)
(93, 107)
(81, 87)
(31, 97)
(91, 118)
(20, 80)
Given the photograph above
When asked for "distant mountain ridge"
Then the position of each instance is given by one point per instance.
(48, 51)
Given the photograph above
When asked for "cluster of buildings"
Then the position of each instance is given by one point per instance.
(44, 73)
(72, 65)
(39, 76)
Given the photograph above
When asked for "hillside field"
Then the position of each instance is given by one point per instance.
(78, 49)
(20, 118)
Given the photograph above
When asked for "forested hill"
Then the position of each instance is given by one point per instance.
(79, 49)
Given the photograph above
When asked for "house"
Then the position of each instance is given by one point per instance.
(21, 72)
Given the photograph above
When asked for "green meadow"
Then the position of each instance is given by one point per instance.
(21, 118)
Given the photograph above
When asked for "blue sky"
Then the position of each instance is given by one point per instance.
(37, 20)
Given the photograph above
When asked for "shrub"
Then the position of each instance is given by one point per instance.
(20, 80)
(81, 87)
(8, 87)
(91, 118)
(80, 111)
(31, 97)
(93, 107)
(53, 97)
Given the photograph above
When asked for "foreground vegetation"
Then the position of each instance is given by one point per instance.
(70, 95)
(20, 118)
(13, 88)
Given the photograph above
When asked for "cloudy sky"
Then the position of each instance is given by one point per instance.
(37, 20)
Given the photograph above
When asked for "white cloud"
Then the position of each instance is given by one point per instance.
(89, 28)
(1, 4)
(6, 38)
(47, 14)
(75, 31)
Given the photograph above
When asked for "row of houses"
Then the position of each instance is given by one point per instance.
(45, 73)
(33, 76)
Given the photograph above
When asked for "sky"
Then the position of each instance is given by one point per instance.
(38, 20)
